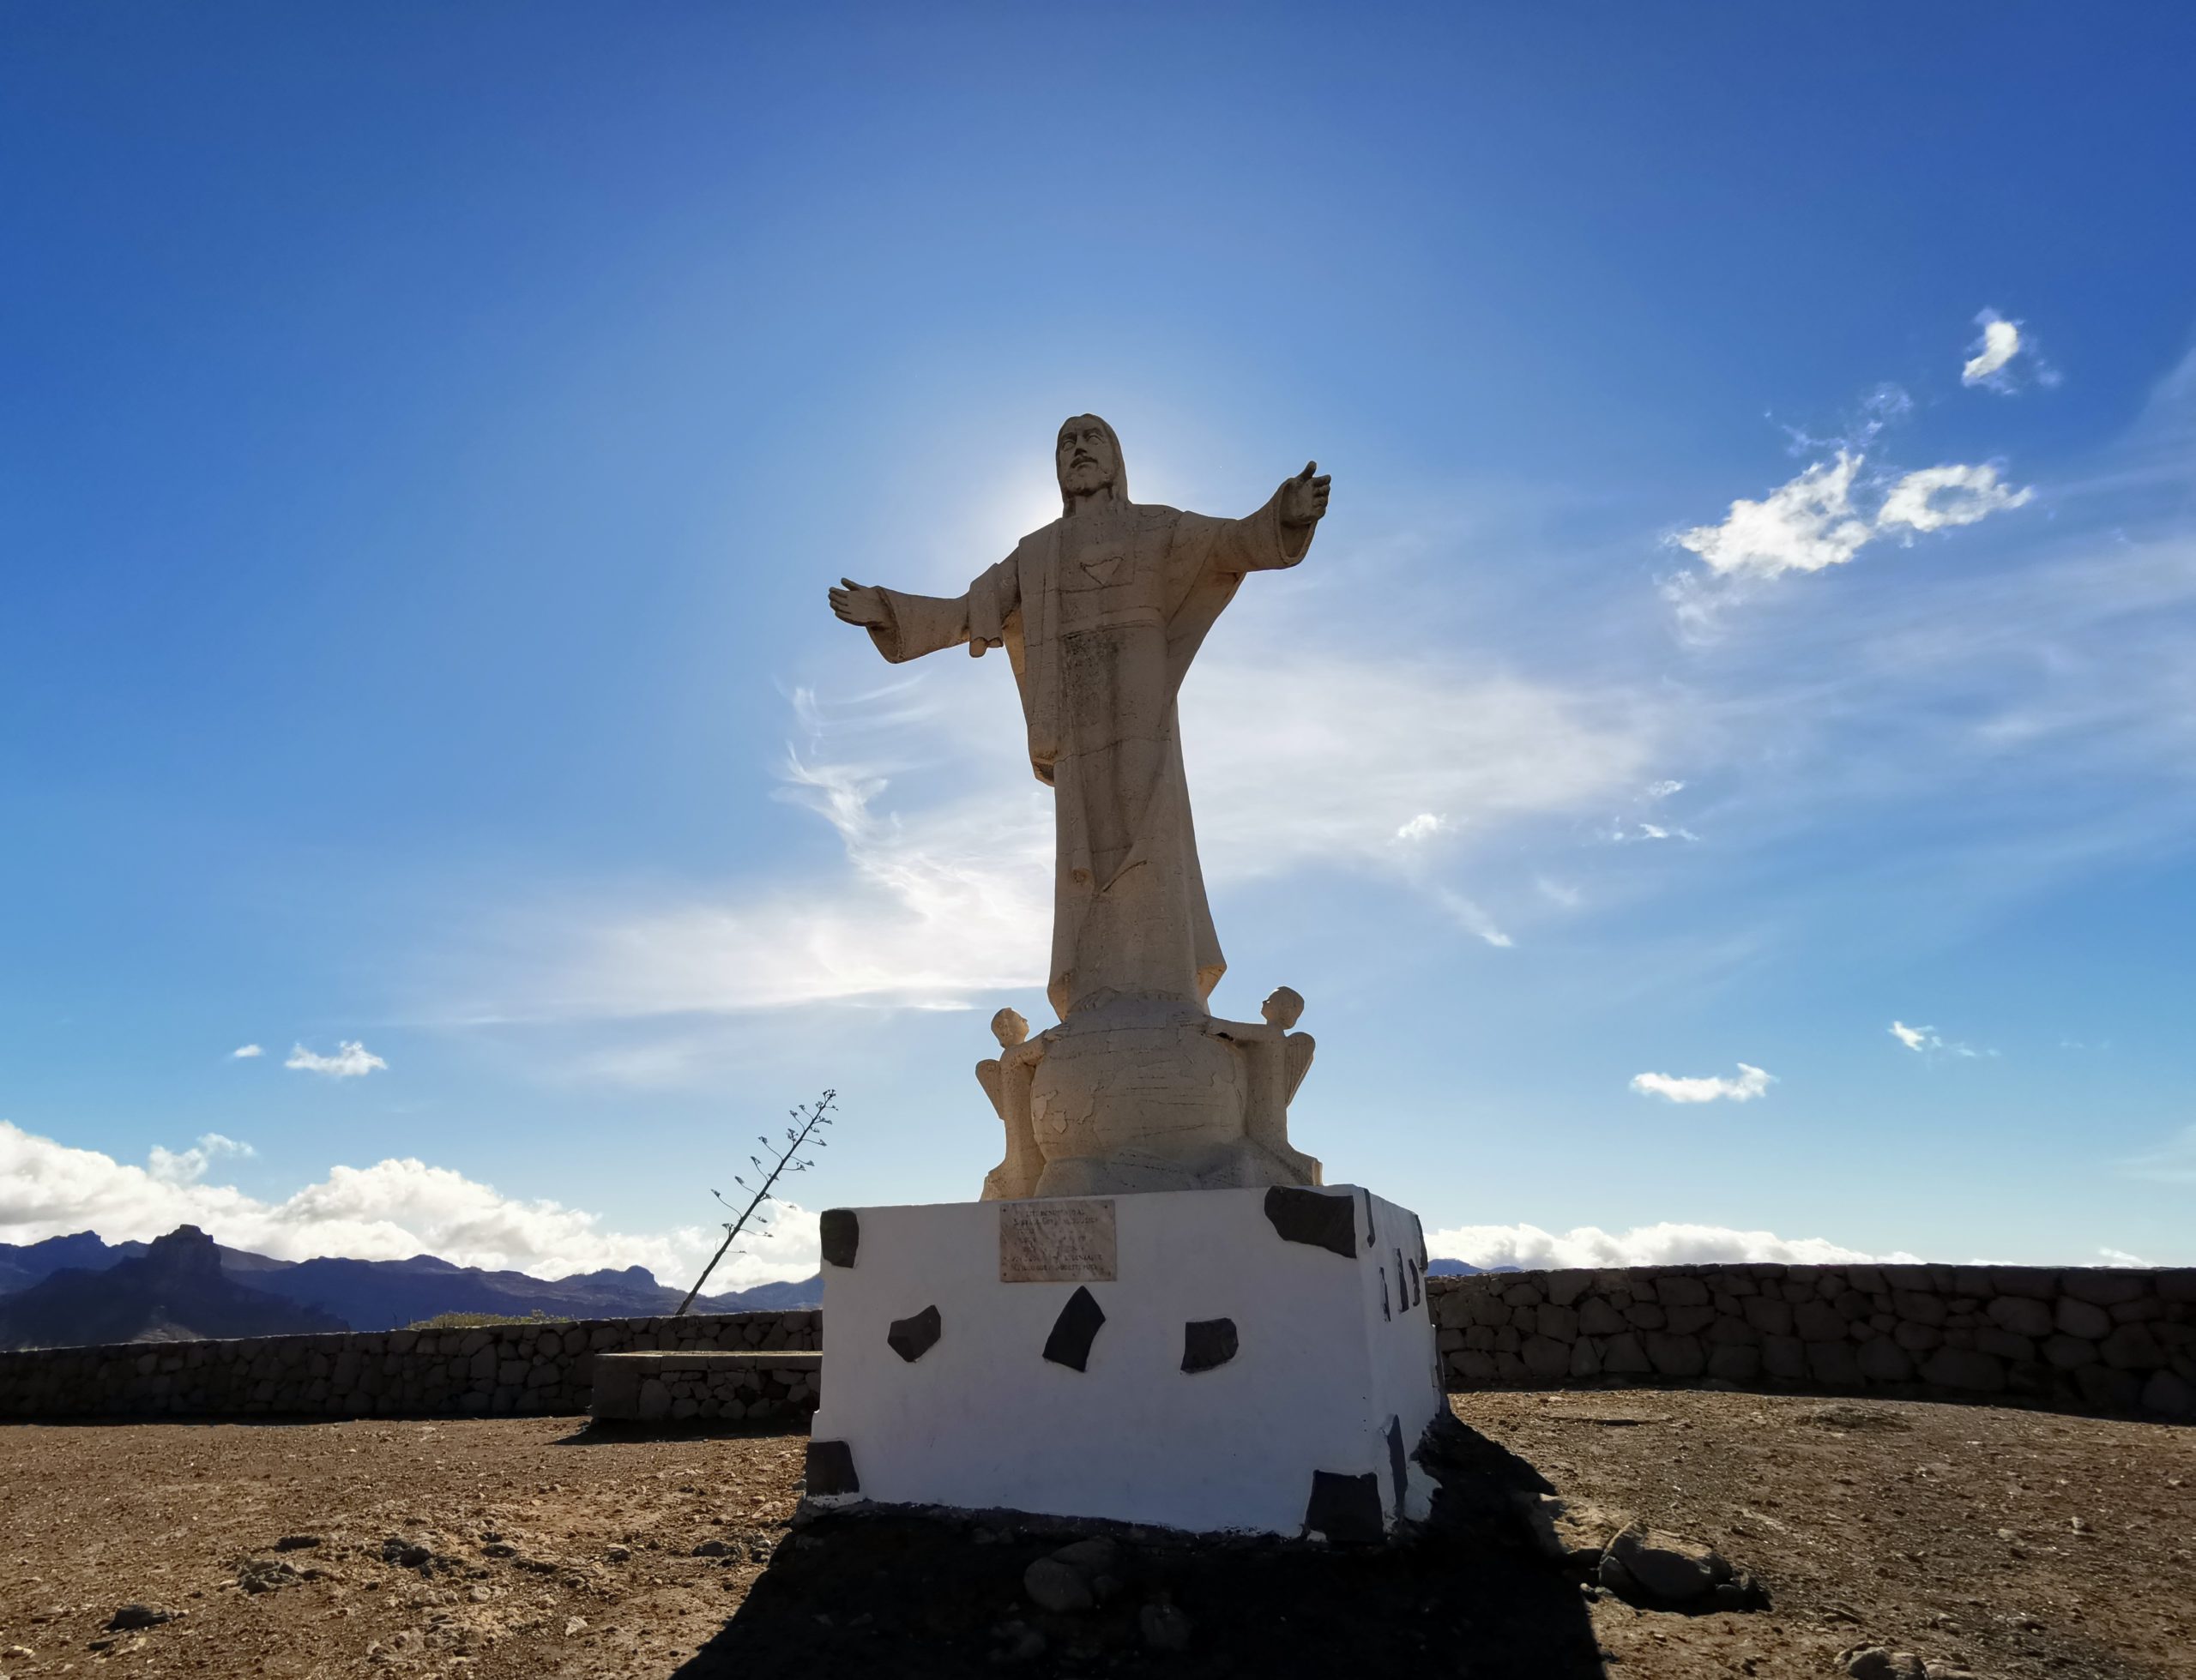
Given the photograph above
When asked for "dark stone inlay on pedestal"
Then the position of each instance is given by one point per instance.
(1074, 1330)
(1402, 1289)
(832, 1468)
(1396, 1469)
(1417, 1284)
(1345, 1507)
(1207, 1342)
(840, 1228)
(1384, 1313)
(1324, 1221)
(1369, 1218)
(912, 1338)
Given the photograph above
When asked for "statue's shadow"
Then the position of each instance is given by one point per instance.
(871, 1594)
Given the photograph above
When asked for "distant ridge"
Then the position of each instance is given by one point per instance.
(175, 1290)
(359, 1294)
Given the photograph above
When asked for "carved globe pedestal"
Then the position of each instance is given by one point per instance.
(1141, 1096)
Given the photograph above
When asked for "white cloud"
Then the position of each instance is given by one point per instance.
(1937, 496)
(391, 1210)
(2000, 343)
(1750, 1083)
(351, 1060)
(244, 1052)
(1813, 523)
(1532, 1248)
(935, 904)
(1927, 1040)
(188, 1166)
(2120, 1257)
(1662, 790)
(1804, 525)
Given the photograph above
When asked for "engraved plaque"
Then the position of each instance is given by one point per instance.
(1056, 1242)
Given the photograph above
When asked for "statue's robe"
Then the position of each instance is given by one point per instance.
(1100, 645)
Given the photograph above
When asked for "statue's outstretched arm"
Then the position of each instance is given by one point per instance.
(1280, 533)
(903, 626)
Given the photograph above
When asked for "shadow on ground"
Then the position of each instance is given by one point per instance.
(890, 1593)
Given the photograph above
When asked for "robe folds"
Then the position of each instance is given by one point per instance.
(1100, 645)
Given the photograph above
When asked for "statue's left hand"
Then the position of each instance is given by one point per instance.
(1304, 498)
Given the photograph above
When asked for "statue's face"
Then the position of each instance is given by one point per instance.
(1084, 456)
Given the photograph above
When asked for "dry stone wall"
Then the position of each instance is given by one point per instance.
(494, 1371)
(2120, 1340)
(2111, 1338)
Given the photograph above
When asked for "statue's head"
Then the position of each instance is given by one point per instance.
(1087, 457)
(1283, 1008)
(1008, 1028)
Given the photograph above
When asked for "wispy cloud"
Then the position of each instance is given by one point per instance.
(2173, 1162)
(2000, 343)
(1530, 1248)
(1938, 497)
(951, 897)
(246, 1052)
(1813, 522)
(1752, 1082)
(351, 1060)
(1927, 1041)
(188, 1166)
(390, 1210)
(2005, 357)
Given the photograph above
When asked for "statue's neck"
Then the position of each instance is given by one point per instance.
(1097, 503)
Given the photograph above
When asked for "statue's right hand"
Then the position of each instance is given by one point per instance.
(860, 604)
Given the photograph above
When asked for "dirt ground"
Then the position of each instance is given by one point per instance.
(2017, 1544)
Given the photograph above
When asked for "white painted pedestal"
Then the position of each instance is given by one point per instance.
(1299, 1411)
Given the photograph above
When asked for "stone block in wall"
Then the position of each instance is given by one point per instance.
(1508, 1367)
(1919, 1307)
(1561, 1323)
(1868, 1277)
(2083, 1318)
(1770, 1315)
(2038, 1282)
(1734, 1362)
(1596, 1317)
(1480, 1338)
(2100, 1288)
(1835, 1363)
(2177, 1284)
(2005, 1344)
(1732, 1332)
(1621, 1355)
(1546, 1360)
(1488, 1308)
(1585, 1359)
(1681, 1291)
(2143, 1308)
(2024, 1316)
(1818, 1322)
(1883, 1360)
(1452, 1308)
(1522, 1294)
(2131, 1347)
(2070, 1353)
(1968, 1370)
(1675, 1355)
(1688, 1320)
(1564, 1288)
(1784, 1358)
(1645, 1315)
(1471, 1366)
(1918, 1338)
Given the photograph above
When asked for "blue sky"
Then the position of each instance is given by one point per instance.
(427, 436)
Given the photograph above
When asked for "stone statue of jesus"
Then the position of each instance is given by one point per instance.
(1101, 612)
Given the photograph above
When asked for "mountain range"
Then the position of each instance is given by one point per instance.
(78, 1290)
